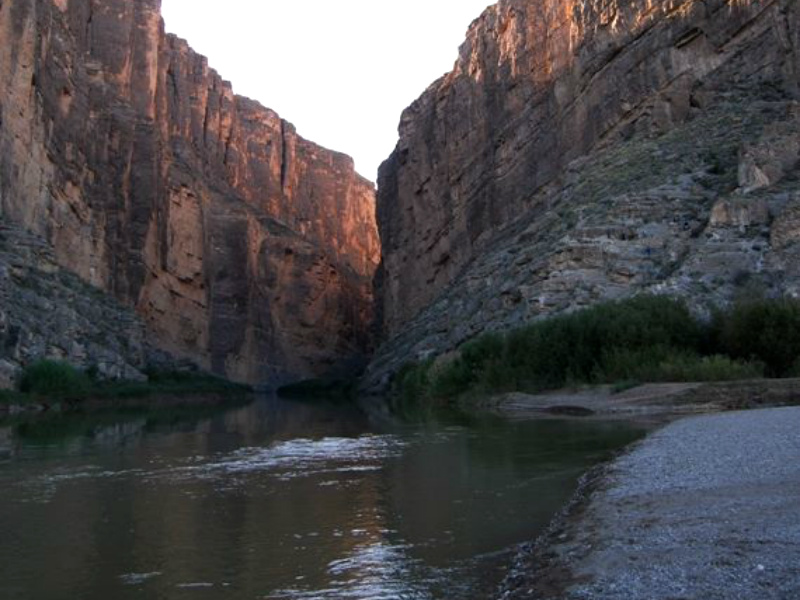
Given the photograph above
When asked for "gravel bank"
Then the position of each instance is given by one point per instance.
(707, 508)
(656, 403)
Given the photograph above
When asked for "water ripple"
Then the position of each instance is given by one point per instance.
(298, 458)
(283, 460)
(378, 571)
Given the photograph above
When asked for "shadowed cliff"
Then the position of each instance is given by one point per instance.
(584, 150)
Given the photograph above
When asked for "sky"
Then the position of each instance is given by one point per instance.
(341, 71)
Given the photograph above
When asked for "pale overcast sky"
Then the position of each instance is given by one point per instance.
(341, 71)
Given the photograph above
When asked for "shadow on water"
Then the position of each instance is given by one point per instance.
(62, 427)
(280, 499)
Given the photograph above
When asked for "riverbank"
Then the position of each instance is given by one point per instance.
(704, 508)
(656, 403)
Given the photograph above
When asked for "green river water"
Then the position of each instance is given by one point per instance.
(279, 500)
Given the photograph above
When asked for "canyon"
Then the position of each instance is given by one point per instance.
(241, 246)
(579, 151)
(587, 150)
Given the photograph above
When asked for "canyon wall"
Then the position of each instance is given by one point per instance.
(48, 312)
(583, 150)
(243, 246)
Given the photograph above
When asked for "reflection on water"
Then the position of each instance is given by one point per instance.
(279, 500)
(298, 458)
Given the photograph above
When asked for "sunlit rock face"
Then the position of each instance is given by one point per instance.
(243, 246)
(585, 149)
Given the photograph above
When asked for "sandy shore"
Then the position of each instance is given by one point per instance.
(706, 508)
(657, 403)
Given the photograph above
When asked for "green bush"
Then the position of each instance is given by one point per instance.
(795, 370)
(764, 330)
(8, 397)
(703, 368)
(412, 382)
(54, 379)
(450, 378)
(646, 338)
(169, 383)
(622, 364)
(608, 342)
(478, 353)
(479, 366)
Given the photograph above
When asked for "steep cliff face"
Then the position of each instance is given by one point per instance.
(244, 246)
(585, 149)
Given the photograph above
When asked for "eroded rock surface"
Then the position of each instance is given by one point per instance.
(584, 150)
(48, 312)
(242, 245)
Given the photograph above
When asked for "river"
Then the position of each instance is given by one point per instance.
(279, 500)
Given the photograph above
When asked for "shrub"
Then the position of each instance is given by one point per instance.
(474, 367)
(646, 338)
(412, 382)
(795, 370)
(481, 351)
(606, 342)
(7, 397)
(766, 331)
(55, 379)
(705, 368)
(621, 364)
(168, 382)
(450, 377)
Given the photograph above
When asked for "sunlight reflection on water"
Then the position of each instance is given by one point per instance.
(300, 458)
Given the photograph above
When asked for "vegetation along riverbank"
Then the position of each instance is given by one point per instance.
(58, 386)
(622, 344)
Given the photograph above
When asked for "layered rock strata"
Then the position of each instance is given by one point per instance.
(242, 245)
(584, 150)
(48, 312)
